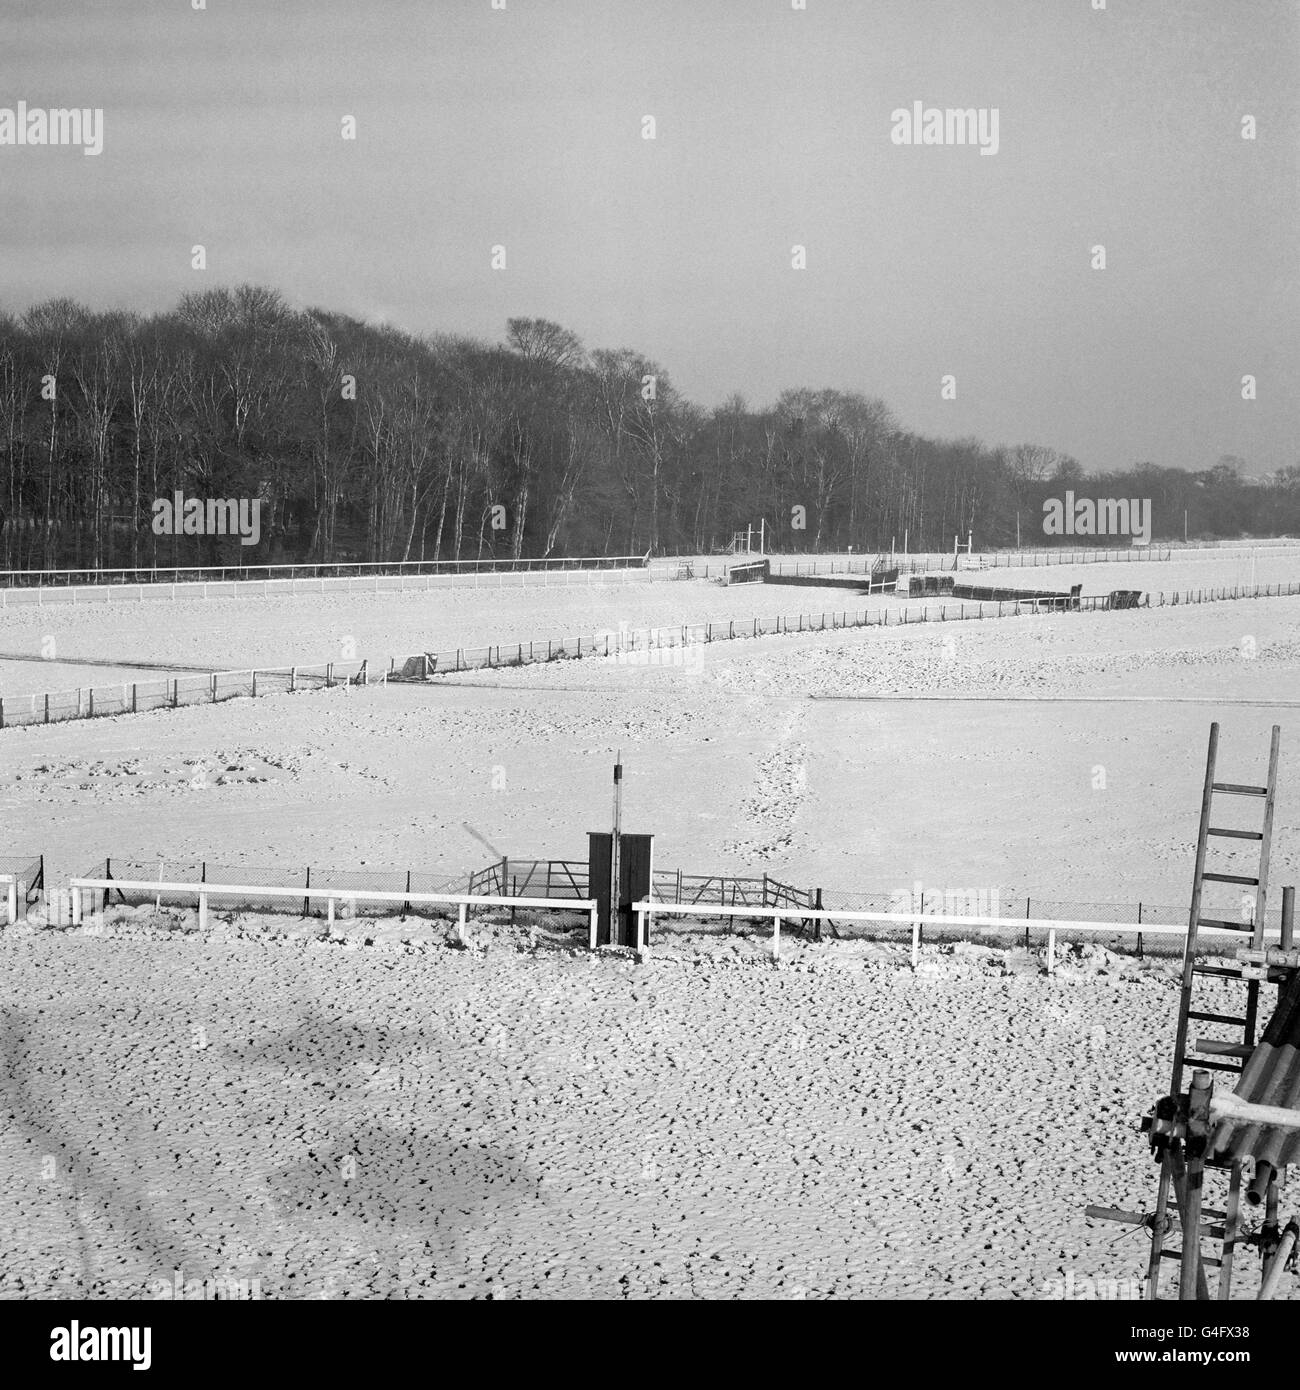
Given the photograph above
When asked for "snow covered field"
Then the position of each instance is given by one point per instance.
(527, 1119)
(234, 633)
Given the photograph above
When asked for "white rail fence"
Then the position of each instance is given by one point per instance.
(202, 892)
(84, 594)
(647, 910)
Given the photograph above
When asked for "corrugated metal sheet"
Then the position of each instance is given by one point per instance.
(1271, 1077)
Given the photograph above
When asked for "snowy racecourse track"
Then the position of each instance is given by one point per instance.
(368, 1109)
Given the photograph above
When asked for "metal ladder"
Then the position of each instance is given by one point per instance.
(1211, 1054)
(1255, 928)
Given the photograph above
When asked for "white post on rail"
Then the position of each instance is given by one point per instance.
(203, 911)
(776, 938)
(461, 924)
(916, 944)
(1051, 949)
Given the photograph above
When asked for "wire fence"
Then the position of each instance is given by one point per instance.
(637, 646)
(171, 692)
(165, 872)
(1087, 555)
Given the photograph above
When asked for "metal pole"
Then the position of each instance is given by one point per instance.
(1197, 1121)
(1273, 1274)
(614, 851)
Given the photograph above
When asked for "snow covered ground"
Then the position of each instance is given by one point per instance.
(235, 633)
(526, 1119)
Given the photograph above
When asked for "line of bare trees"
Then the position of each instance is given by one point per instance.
(365, 443)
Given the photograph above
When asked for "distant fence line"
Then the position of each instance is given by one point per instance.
(40, 596)
(1030, 559)
(342, 569)
(633, 644)
(171, 692)
(917, 562)
(637, 644)
(224, 581)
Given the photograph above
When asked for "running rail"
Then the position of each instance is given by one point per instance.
(647, 909)
(203, 891)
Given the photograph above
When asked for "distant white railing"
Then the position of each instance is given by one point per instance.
(90, 594)
(647, 909)
(204, 891)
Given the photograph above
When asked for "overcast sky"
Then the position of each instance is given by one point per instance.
(523, 128)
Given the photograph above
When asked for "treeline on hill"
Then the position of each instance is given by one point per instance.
(364, 443)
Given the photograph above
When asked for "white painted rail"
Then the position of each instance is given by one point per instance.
(11, 884)
(204, 891)
(647, 909)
